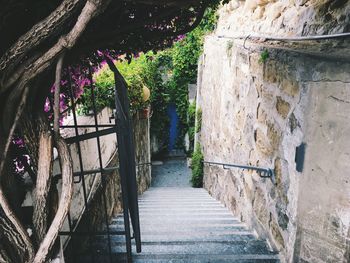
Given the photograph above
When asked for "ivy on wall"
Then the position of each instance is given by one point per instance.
(197, 167)
(191, 115)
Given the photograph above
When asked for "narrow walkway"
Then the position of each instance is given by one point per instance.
(181, 224)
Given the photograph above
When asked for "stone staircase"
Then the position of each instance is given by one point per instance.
(181, 224)
(187, 225)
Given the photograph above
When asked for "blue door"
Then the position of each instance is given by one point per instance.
(174, 120)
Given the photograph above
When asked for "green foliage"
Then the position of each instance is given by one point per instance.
(103, 92)
(159, 67)
(191, 115)
(197, 167)
(167, 74)
(199, 120)
(264, 56)
(135, 74)
(184, 55)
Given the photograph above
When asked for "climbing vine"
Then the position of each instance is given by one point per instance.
(191, 113)
(198, 120)
(264, 56)
(197, 167)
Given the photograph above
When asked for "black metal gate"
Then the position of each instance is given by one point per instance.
(123, 129)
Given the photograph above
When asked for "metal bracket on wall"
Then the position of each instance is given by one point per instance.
(300, 157)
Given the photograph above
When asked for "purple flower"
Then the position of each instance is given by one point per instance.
(180, 37)
(47, 105)
(18, 142)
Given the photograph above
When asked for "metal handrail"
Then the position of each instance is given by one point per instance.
(262, 172)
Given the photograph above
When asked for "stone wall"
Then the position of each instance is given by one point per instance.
(258, 113)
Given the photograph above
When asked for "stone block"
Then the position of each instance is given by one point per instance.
(240, 117)
(274, 135)
(267, 95)
(263, 2)
(262, 142)
(271, 71)
(258, 13)
(233, 204)
(255, 66)
(261, 115)
(293, 123)
(276, 234)
(251, 5)
(278, 171)
(282, 181)
(282, 216)
(282, 107)
(289, 86)
(274, 11)
(260, 207)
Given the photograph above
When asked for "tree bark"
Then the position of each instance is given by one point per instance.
(36, 36)
(17, 227)
(90, 9)
(63, 208)
(43, 184)
(56, 121)
(12, 247)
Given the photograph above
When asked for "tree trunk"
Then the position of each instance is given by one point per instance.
(12, 247)
(43, 185)
(64, 204)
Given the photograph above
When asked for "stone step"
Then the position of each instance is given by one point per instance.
(193, 222)
(183, 196)
(164, 229)
(179, 191)
(170, 207)
(181, 210)
(176, 197)
(181, 221)
(163, 258)
(183, 216)
(179, 201)
(158, 197)
(213, 229)
(194, 237)
(256, 247)
(205, 258)
(178, 220)
(180, 213)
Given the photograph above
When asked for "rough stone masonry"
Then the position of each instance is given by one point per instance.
(258, 111)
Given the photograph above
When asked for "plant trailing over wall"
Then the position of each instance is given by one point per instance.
(264, 56)
(191, 115)
(198, 120)
(197, 167)
(135, 75)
